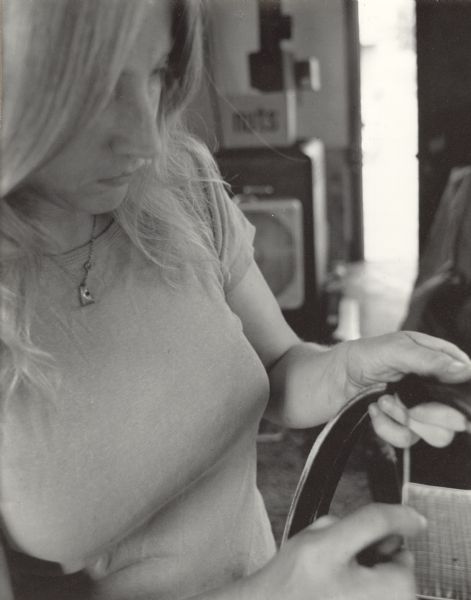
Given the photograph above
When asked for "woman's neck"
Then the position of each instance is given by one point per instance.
(63, 229)
(76, 230)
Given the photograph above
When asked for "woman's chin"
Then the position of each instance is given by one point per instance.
(110, 199)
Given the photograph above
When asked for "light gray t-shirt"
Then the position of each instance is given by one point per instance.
(143, 472)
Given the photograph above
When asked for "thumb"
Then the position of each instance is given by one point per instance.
(323, 522)
(371, 524)
(430, 356)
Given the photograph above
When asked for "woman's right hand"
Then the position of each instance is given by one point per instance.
(321, 562)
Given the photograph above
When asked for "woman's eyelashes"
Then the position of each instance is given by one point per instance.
(161, 74)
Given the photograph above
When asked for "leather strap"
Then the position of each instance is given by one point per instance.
(331, 450)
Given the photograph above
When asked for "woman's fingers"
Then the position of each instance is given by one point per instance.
(434, 413)
(391, 405)
(323, 522)
(324, 560)
(436, 423)
(370, 525)
(432, 434)
(388, 358)
(389, 429)
(433, 356)
(433, 422)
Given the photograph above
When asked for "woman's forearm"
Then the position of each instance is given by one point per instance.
(307, 385)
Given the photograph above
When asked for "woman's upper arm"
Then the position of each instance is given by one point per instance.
(263, 322)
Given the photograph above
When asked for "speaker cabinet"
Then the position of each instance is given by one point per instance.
(279, 246)
(282, 192)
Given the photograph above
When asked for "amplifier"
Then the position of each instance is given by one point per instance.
(282, 192)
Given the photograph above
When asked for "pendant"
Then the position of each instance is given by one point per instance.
(85, 296)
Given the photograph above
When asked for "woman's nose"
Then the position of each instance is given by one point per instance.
(135, 133)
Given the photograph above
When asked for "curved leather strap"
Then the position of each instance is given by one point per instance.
(331, 450)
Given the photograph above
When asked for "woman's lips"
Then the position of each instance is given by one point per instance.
(127, 173)
(118, 181)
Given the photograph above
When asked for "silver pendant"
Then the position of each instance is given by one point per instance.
(85, 296)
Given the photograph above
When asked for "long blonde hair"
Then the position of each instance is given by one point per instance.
(62, 59)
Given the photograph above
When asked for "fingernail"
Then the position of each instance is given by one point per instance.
(423, 521)
(373, 410)
(386, 402)
(456, 366)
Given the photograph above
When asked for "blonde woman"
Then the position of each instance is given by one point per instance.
(141, 345)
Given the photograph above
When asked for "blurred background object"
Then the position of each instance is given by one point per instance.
(337, 124)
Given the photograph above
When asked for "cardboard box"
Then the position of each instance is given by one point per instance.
(258, 119)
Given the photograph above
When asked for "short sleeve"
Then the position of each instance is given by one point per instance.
(233, 237)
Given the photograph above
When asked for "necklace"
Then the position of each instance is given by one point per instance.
(85, 296)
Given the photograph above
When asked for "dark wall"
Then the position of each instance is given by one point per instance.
(444, 96)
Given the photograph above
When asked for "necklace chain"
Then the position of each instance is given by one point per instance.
(85, 296)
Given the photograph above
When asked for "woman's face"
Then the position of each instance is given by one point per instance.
(92, 173)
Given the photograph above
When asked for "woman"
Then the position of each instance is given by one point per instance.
(141, 344)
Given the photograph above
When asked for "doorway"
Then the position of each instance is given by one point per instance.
(390, 130)
(378, 289)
